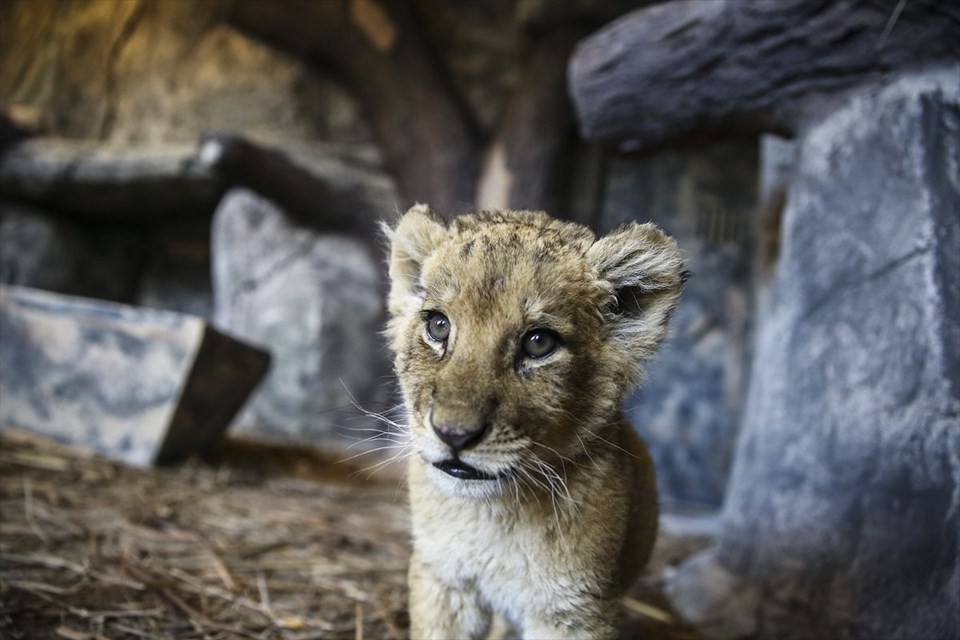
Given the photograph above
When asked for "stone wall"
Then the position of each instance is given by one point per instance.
(150, 72)
(842, 515)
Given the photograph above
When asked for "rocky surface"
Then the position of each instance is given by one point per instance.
(842, 513)
(133, 223)
(141, 386)
(148, 72)
(315, 302)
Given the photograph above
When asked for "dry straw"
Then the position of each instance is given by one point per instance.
(91, 549)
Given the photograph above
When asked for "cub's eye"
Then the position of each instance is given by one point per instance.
(539, 343)
(438, 326)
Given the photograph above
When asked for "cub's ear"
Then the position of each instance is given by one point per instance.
(643, 269)
(416, 235)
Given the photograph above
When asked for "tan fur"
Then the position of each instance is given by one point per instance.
(571, 517)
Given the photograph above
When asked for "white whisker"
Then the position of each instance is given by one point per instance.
(387, 447)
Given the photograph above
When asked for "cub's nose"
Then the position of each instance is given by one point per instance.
(460, 437)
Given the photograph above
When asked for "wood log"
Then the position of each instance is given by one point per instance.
(706, 68)
(94, 180)
(326, 192)
(346, 199)
(428, 143)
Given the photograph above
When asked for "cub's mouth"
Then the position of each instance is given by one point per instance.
(461, 470)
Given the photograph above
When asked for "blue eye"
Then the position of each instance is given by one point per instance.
(438, 326)
(539, 343)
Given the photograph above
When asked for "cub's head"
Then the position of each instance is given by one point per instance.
(517, 336)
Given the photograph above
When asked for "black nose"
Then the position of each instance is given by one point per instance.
(459, 437)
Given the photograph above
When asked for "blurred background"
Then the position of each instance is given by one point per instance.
(219, 168)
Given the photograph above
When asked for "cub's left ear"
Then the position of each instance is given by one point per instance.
(419, 231)
(644, 270)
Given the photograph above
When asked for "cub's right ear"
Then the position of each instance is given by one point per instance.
(643, 269)
(414, 238)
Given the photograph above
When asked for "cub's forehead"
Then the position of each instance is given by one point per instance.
(512, 267)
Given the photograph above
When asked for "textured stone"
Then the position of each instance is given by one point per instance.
(142, 386)
(844, 503)
(315, 302)
(688, 411)
(148, 72)
(48, 252)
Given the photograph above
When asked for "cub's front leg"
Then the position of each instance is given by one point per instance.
(439, 610)
(587, 619)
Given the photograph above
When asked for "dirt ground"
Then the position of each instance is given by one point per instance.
(272, 542)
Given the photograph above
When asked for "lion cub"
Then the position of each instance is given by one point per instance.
(517, 337)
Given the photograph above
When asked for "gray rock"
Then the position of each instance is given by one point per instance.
(844, 503)
(139, 385)
(315, 302)
(778, 161)
(688, 410)
(718, 602)
(48, 252)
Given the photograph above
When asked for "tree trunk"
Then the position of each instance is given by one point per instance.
(374, 46)
(528, 165)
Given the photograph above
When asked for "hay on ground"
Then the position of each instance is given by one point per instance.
(92, 549)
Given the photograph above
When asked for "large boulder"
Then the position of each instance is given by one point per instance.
(315, 302)
(843, 511)
(140, 385)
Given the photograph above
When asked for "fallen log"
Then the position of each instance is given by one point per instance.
(344, 199)
(321, 188)
(704, 68)
(94, 180)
